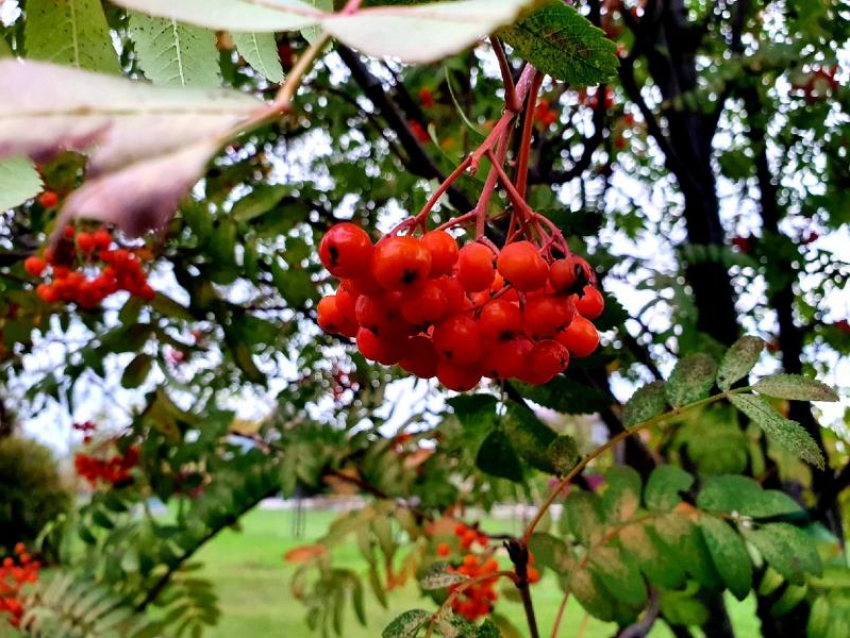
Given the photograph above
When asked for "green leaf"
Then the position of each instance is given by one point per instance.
(587, 589)
(788, 434)
(683, 609)
(790, 598)
(618, 574)
(664, 486)
(138, 370)
(659, 567)
(647, 402)
(551, 552)
(741, 494)
(788, 550)
(730, 556)
(312, 34)
(407, 625)
(621, 497)
(488, 629)
(563, 44)
(566, 396)
(5, 51)
(19, 181)
(436, 576)
(563, 454)
(70, 32)
(497, 457)
(795, 388)
(260, 51)
(302, 463)
(681, 541)
(174, 54)
(529, 436)
(582, 517)
(691, 380)
(739, 360)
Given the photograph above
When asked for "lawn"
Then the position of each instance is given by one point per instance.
(252, 581)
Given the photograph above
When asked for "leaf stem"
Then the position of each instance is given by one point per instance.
(283, 100)
(560, 615)
(612, 442)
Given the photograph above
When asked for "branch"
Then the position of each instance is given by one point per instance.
(419, 162)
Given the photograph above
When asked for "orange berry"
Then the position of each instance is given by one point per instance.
(400, 262)
(591, 303)
(522, 266)
(34, 266)
(420, 358)
(458, 378)
(580, 337)
(86, 242)
(346, 250)
(457, 340)
(48, 199)
(475, 267)
(444, 251)
(443, 549)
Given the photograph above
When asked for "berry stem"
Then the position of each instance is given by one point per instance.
(525, 141)
(457, 221)
(432, 201)
(512, 100)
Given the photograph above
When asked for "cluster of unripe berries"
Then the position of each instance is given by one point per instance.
(16, 572)
(459, 313)
(113, 470)
(475, 600)
(94, 270)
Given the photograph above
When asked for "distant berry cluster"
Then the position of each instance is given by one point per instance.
(96, 269)
(16, 572)
(459, 313)
(112, 469)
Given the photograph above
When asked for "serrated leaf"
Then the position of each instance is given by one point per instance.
(312, 34)
(147, 145)
(739, 360)
(743, 495)
(414, 34)
(659, 567)
(563, 44)
(566, 396)
(563, 454)
(174, 54)
(619, 575)
(582, 517)
(647, 402)
(587, 589)
(260, 51)
(407, 625)
(681, 541)
(788, 550)
(691, 380)
(621, 497)
(788, 434)
(70, 32)
(437, 576)
(551, 552)
(730, 556)
(529, 437)
(795, 388)
(19, 181)
(664, 486)
(497, 457)
(138, 370)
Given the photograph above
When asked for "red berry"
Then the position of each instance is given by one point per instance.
(48, 199)
(545, 315)
(419, 358)
(366, 284)
(457, 340)
(455, 294)
(346, 301)
(376, 349)
(69, 231)
(444, 251)
(500, 320)
(346, 250)
(580, 337)
(458, 378)
(424, 303)
(47, 293)
(565, 274)
(86, 242)
(522, 266)
(546, 359)
(507, 359)
(382, 315)
(332, 320)
(102, 239)
(34, 266)
(399, 262)
(426, 98)
(443, 550)
(591, 304)
(475, 268)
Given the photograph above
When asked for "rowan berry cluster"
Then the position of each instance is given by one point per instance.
(95, 269)
(473, 600)
(15, 573)
(459, 313)
(114, 469)
(815, 85)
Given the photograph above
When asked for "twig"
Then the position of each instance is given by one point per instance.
(289, 88)
(512, 101)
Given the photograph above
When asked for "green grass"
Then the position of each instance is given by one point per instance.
(252, 582)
